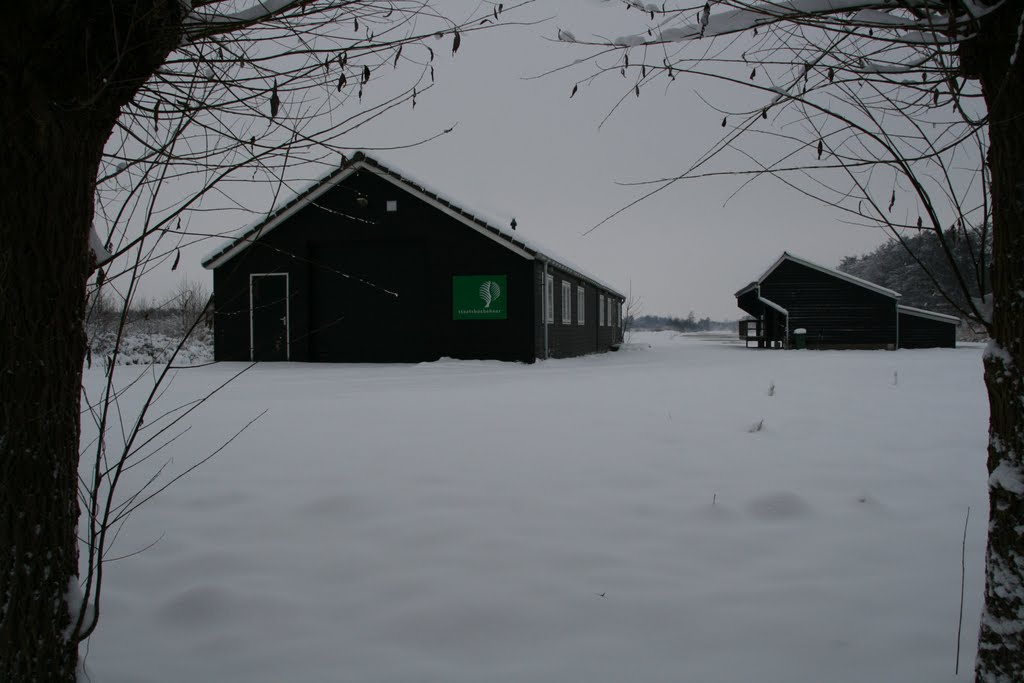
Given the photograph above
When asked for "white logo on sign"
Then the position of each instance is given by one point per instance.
(489, 292)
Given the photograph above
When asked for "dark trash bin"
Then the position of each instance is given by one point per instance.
(799, 338)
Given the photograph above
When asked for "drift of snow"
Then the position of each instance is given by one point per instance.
(606, 518)
(98, 249)
(257, 11)
(1008, 477)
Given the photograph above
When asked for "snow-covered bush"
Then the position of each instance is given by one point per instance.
(142, 348)
(151, 333)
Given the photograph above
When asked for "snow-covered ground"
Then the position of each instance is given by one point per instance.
(607, 518)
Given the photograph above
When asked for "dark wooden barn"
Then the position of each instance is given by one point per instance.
(369, 266)
(797, 302)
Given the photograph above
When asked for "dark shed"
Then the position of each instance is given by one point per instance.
(920, 329)
(834, 310)
(369, 266)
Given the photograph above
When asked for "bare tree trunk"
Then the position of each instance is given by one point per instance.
(45, 212)
(65, 71)
(989, 58)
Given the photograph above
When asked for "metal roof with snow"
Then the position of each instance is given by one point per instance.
(512, 241)
(920, 312)
(786, 256)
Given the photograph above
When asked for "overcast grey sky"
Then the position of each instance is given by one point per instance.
(521, 148)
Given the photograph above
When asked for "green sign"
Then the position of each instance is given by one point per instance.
(479, 297)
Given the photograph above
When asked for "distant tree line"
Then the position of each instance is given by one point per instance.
(688, 324)
(898, 266)
(173, 315)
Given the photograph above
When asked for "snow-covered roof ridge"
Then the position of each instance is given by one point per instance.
(746, 288)
(942, 317)
(787, 256)
(242, 239)
(840, 274)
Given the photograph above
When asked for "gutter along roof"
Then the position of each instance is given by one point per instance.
(247, 236)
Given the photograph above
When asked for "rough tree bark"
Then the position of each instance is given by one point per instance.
(989, 57)
(66, 69)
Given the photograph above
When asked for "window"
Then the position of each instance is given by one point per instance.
(566, 303)
(581, 303)
(549, 298)
(611, 309)
(600, 310)
(618, 314)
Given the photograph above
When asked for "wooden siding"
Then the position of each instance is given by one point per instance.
(371, 285)
(835, 312)
(749, 304)
(572, 339)
(919, 332)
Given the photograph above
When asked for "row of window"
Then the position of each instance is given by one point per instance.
(608, 309)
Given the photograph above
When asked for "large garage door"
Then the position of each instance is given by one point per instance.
(368, 304)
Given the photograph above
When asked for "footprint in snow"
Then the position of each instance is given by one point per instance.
(779, 506)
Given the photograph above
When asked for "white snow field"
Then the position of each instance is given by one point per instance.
(608, 518)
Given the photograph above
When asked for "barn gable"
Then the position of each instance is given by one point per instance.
(309, 196)
(831, 272)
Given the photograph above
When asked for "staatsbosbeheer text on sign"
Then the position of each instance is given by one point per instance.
(479, 297)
